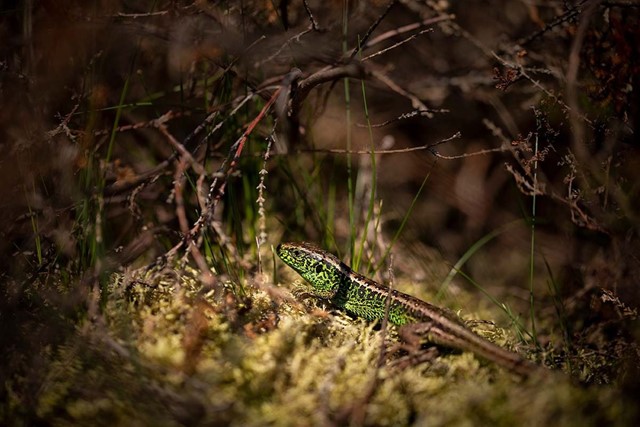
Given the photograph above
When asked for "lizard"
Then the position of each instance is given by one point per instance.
(360, 296)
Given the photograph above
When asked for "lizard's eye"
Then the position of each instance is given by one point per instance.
(319, 269)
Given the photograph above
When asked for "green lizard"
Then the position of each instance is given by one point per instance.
(334, 280)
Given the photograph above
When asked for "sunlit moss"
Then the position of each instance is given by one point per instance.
(170, 353)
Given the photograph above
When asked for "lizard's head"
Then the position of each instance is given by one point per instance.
(319, 268)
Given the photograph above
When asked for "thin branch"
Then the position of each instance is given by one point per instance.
(353, 69)
(287, 43)
(404, 116)
(568, 15)
(472, 154)
(415, 101)
(141, 15)
(197, 167)
(314, 23)
(395, 45)
(405, 29)
(395, 151)
(179, 179)
(362, 42)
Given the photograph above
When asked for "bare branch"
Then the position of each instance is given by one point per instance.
(395, 45)
(395, 151)
(406, 29)
(405, 116)
(314, 23)
(365, 38)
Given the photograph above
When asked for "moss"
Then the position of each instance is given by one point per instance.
(170, 353)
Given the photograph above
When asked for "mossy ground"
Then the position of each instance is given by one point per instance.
(165, 351)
